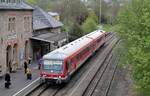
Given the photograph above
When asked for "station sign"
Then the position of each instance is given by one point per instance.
(12, 36)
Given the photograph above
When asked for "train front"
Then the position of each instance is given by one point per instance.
(52, 69)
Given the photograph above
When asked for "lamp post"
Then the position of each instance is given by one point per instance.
(100, 14)
(100, 10)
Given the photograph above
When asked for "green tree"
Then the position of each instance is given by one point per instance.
(33, 2)
(71, 10)
(89, 25)
(75, 31)
(93, 16)
(135, 29)
(46, 4)
(109, 10)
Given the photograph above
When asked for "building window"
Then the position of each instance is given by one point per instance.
(8, 1)
(27, 24)
(0, 70)
(18, 1)
(1, 40)
(13, 1)
(0, 24)
(12, 24)
(2, 1)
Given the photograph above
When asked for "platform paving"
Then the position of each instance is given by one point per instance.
(18, 80)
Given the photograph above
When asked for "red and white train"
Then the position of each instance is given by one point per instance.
(61, 63)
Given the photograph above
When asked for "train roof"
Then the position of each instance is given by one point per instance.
(73, 46)
(95, 34)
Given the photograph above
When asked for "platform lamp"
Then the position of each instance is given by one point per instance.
(100, 13)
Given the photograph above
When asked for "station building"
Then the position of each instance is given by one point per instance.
(25, 32)
(15, 33)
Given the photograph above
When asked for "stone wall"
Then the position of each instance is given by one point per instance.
(18, 38)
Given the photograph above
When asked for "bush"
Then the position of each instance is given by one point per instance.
(75, 32)
(135, 29)
(89, 25)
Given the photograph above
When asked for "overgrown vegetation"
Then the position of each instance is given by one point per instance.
(90, 23)
(135, 29)
(75, 31)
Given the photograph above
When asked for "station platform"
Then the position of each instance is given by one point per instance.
(18, 80)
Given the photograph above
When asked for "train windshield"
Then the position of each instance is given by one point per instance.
(53, 66)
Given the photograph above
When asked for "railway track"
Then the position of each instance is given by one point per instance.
(63, 89)
(100, 84)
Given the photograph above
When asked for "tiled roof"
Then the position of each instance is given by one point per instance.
(16, 6)
(38, 24)
(41, 20)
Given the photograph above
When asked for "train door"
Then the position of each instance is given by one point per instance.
(73, 64)
(94, 45)
(68, 70)
(68, 67)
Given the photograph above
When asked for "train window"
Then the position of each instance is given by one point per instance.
(85, 50)
(55, 66)
(81, 54)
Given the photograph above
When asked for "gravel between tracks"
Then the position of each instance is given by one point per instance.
(122, 84)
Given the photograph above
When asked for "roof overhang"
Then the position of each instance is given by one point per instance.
(50, 37)
(41, 39)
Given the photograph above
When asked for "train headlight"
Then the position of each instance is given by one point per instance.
(59, 76)
(52, 71)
